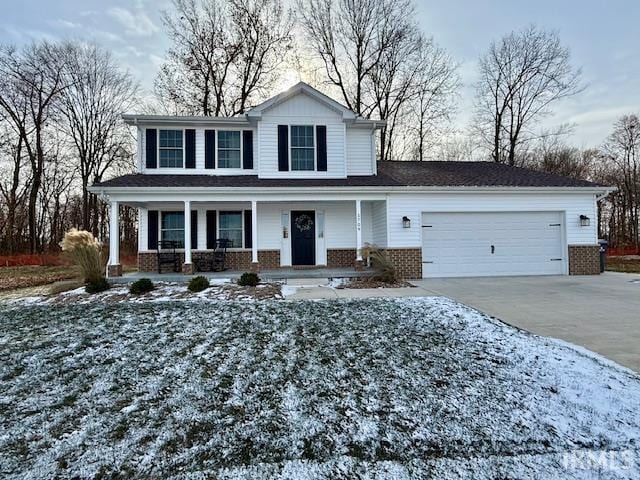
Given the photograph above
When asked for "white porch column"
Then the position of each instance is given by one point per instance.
(254, 232)
(187, 233)
(358, 230)
(114, 269)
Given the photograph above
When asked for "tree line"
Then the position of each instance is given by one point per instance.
(60, 103)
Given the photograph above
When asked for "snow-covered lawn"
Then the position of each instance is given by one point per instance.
(385, 388)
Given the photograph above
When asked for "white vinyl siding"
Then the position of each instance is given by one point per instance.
(301, 110)
(572, 205)
(360, 151)
(199, 170)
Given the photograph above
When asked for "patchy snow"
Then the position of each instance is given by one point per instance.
(220, 289)
(289, 290)
(384, 388)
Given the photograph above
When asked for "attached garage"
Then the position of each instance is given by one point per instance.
(471, 244)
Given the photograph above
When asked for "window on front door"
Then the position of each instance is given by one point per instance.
(228, 149)
(302, 148)
(172, 227)
(231, 228)
(170, 147)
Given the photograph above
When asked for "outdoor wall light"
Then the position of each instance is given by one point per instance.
(584, 221)
(406, 222)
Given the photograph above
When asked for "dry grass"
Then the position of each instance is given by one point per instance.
(33, 276)
(626, 264)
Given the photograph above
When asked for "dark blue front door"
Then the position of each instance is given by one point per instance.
(303, 238)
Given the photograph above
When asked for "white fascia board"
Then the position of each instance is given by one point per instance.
(248, 191)
(160, 120)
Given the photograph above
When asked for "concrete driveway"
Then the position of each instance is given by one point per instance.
(600, 313)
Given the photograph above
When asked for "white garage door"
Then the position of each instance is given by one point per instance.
(483, 244)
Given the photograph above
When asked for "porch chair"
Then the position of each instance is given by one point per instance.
(219, 254)
(167, 255)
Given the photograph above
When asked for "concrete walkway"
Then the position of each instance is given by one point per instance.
(600, 313)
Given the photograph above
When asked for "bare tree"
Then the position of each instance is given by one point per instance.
(521, 76)
(30, 81)
(432, 106)
(621, 150)
(225, 54)
(91, 107)
(352, 37)
(14, 186)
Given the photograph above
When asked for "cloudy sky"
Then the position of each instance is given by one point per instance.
(604, 38)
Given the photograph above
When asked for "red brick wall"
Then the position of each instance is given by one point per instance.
(341, 257)
(408, 262)
(235, 260)
(584, 259)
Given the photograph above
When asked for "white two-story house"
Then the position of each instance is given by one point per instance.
(295, 182)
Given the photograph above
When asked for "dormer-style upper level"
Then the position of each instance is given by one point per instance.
(300, 133)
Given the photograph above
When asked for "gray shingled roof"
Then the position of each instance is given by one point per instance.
(390, 174)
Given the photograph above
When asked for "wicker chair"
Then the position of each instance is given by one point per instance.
(167, 255)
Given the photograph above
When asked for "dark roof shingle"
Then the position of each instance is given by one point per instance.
(390, 174)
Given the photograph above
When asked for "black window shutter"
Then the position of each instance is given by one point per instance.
(194, 229)
(247, 149)
(190, 148)
(248, 232)
(209, 148)
(152, 229)
(321, 147)
(151, 146)
(211, 229)
(283, 148)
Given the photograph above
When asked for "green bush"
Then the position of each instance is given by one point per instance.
(97, 285)
(249, 279)
(141, 286)
(197, 284)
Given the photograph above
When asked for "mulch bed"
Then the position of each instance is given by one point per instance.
(370, 283)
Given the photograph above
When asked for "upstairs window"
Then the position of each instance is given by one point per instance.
(302, 148)
(228, 149)
(170, 147)
(172, 227)
(231, 228)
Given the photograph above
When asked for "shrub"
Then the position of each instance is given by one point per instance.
(141, 286)
(249, 279)
(97, 286)
(197, 284)
(86, 252)
(384, 269)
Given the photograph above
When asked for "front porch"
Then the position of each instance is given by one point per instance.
(266, 236)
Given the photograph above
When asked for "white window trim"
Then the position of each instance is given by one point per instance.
(183, 147)
(217, 157)
(315, 148)
(241, 212)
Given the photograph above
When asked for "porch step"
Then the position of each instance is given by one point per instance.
(281, 274)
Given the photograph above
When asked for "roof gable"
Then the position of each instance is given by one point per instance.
(301, 88)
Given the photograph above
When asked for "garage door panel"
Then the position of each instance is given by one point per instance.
(459, 244)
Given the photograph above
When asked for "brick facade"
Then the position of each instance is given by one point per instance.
(584, 260)
(114, 271)
(235, 260)
(408, 262)
(341, 257)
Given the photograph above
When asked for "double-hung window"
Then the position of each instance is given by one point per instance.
(302, 148)
(170, 146)
(172, 227)
(231, 228)
(229, 149)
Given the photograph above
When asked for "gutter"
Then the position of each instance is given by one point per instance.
(349, 189)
